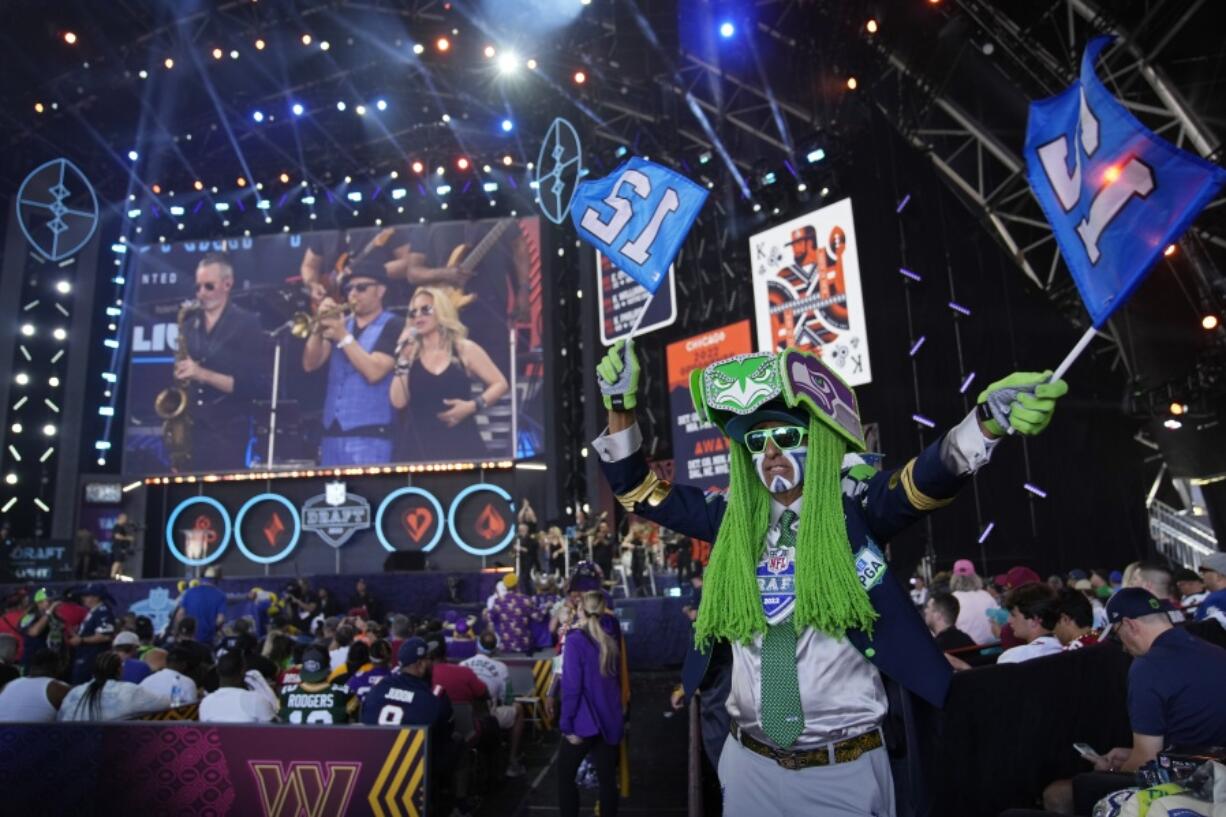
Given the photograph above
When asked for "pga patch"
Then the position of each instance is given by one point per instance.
(870, 566)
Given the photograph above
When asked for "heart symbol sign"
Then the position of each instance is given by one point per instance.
(417, 522)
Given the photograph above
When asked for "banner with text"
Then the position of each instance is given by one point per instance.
(621, 299)
(700, 451)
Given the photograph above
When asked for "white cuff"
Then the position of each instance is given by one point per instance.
(965, 448)
(619, 445)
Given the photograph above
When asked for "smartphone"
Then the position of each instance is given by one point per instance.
(1086, 751)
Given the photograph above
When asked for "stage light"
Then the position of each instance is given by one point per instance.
(63, 287)
(399, 193)
(70, 37)
(53, 382)
(1169, 251)
(10, 478)
(802, 187)
(381, 104)
(418, 48)
(60, 333)
(580, 77)
(218, 53)
(462, 163)
(1172, 424)
(442, 44)
(825, 192)
(354, 195)
(259, 44)
(308, 200)
(169, 63)
(340, 106)
(17, 428)
(1209, 322)
(439, 171)
(348, 179)
(284, 177)
(508, 63)
(199, 185)
(177, 211)
(757, 208)
(157, 189)
(769, 178)
(726, 29)
(133, 155)
(486, 168)
(418, 167)
(443, 189)
(852, 83)
(360, 110)
(815, 156)
(446, 118)
(531, 63)
(324, 45)
(21, 378)
(49, 430)
(507, 160)
(221, 206)
(143, 74)
(871, 26)
(297, 109)
(241, 181)
(489, 52)
(306, 39)
(39, 107)
(507, 126)
(395, 174)
(1178, 408)
(490, 187)
(27, 329)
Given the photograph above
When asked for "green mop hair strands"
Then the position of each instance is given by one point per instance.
(828, 592)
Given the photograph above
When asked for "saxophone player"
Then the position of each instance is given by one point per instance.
(226, 368)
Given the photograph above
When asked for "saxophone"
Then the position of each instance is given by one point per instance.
(172, 402)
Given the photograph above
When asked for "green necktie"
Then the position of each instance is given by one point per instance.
(782, 717)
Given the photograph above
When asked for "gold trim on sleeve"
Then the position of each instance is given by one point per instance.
(651, 490)
(918, 499)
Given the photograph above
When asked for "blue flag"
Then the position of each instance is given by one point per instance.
(1114, 192)
(638, 217)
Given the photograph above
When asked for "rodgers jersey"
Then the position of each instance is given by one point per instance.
(315, 703)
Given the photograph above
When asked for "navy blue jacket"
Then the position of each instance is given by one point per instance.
(885, 504)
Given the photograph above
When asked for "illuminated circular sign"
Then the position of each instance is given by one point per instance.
(273, 529)
(418, 519)
(487, 521)
(201, 536)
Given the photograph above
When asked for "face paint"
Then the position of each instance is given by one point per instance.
(778, 483)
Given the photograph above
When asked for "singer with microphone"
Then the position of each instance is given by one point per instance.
(436, 367)
(359, 350)
(227, 367)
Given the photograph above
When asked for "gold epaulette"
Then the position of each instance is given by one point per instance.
(918, 499)
(651, 490)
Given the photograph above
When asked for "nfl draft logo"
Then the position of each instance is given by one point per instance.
(776, 583)
(335, 515)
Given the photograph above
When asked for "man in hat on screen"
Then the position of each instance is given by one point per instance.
(796, 582)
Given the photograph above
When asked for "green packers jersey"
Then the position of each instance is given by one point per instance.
(326, 703)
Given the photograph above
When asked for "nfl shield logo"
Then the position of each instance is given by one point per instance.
(334, 493)
(777, 564)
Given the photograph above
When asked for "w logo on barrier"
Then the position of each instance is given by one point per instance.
(307, 788)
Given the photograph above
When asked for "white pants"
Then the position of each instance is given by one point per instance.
(759, 787)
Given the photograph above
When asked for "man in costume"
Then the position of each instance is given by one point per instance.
(797, 580)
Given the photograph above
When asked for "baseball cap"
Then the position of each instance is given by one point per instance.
(1115, 577)
(315, 665)
(510, 580)
(127, 638)
(94, 589)
(436, 645)
(1082, 584)
(964, 567)
(1132, 602)
(1016, 577)
(412, 650)
(586, 576)
(43, 594)
(741, 424)
(1214, 561)
(1077, 574)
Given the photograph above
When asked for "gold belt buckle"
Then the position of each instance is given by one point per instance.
(790, 761)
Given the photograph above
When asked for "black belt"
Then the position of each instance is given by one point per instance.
(361, 431)
(844, 751)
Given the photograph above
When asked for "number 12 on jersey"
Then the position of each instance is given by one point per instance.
(638, 217)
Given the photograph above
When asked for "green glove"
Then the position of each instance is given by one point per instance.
(1023, 402)
(618, 376)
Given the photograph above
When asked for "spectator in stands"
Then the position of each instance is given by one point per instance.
(1075, 626)
(357, 659)
(185, 637)
(1032, 615)
(1056, 582)
(402, 630)
(237, 635)
(300, 603)
(459, 682)
(1097, 609)
(9, 668)
(973, 602)
(10, 621)
(497, 679)
(919, 590)
(1099, 582)
(694, 597)
(95, 634)
(512, 616)
(279, 649)
(242, 697)
(37, 697)
(527, 550)
(206, 604)
(602, 548)
(106, 698)
(338, 650)
(155, 657)
(43, 626)
(174, 683)
(364, 603)
(315, 699)
(1191, 588)
(328, 605)
(592, 718)
(1213, 572)
(380, 659)
(134, 670)
(1115, 579)
(1174, 684)
(941, 615)
(1155, 576)
(144, 632)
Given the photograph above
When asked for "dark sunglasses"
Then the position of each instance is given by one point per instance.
(785, 438)
(359, 288)
(423, 310)
(207, 287)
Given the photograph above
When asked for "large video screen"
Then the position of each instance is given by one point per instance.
(807, 294)
(377, 346)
